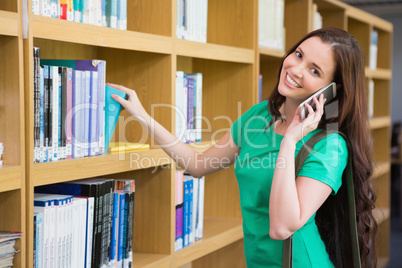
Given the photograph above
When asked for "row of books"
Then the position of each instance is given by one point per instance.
(7, 248)
(86, 223)
(271, 31)
(107, 13)
(188, 106)
(1, 153)
(74, 114)
(189, 201)
(191, 20)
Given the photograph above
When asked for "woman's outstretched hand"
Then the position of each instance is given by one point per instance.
(132, 104)
(298, 129)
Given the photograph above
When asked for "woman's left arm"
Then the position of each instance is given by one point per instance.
(293, 201)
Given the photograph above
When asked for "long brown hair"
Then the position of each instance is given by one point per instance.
(352, 119)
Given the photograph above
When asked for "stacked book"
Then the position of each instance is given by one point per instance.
(1, 153)
(191, 20)
(189, 209)
(7, 247)
(271, 31)
(86, 223)
(188, 107)
(107, 13)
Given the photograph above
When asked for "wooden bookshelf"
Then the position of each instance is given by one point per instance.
(12, 173)
(146, 58)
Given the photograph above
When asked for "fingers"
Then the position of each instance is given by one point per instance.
(121, 88)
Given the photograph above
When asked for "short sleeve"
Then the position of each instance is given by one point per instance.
(327, 161)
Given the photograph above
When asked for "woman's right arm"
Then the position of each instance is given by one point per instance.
(218, 156)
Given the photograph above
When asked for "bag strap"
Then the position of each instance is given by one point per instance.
(301, 157)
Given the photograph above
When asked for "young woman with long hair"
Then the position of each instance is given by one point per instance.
(263, 142)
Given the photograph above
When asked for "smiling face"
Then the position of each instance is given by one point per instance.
(310, 67)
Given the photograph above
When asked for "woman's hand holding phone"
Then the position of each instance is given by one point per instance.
(299, 128)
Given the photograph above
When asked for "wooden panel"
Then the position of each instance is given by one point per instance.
(150, 16)
(11, 178)
(381, 145)
(213, 51)
(230, 256)
(67, 31)
(231, 23)
(382, 187)
(9, 23)
(218, 233)
(74, 169)
(382, 97)
(384, 50)
(361, 31)
(10, 109)
(297, 19)
(382, 240)
(269, 70)
(9, 5)
(147, 260)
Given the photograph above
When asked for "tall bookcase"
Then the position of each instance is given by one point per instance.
(146, 58)
(12, 172)
(360, 24)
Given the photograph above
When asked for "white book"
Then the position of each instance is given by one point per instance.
(75, 241)
(55, 112)
(199, 229)
(180, 107)
(197, 133)
(44, 243)
(373, 50)
(93, 116)
(194, 215)
(76, 117)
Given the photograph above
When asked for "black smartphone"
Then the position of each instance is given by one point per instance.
(329, 92)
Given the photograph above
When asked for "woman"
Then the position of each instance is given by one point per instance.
(263, 142)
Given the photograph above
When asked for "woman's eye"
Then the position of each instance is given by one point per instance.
(298, 54)
(315, 72)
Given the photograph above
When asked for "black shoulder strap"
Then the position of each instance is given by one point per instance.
(300, 159)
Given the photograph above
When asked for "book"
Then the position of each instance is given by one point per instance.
(373, 50)
(112, 112)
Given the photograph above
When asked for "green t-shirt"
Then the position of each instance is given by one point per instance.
(254, 170)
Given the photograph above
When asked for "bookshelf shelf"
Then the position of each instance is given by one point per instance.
(9, 23)
(74, 169)
(381, 168)
(213, 52)
(74, 32)
(218, 233)
(381, 214)
(145, 260)
(384, 74)
(380, 122)
(10, 178)
(267, 54)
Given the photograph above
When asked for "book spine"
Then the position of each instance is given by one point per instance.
(59, 113)
(89, 231)
(46, 110)
(113, 246)
(51, 108)
(77, 4)
(63, 116)
(190, 109)
(55, 112)
(93, 116)
(179, 228)
(101, 106)
(128, 262)
(121, 230)
(186, 212)
(199, 229)
(36, 58)
(69, 112)
(35, 244)
(41, 115)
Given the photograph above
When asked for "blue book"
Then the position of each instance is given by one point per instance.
(112, 112)
(122, 201)
(186, 210)
(114, 238)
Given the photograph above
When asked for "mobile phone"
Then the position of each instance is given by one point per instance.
(329, 92)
